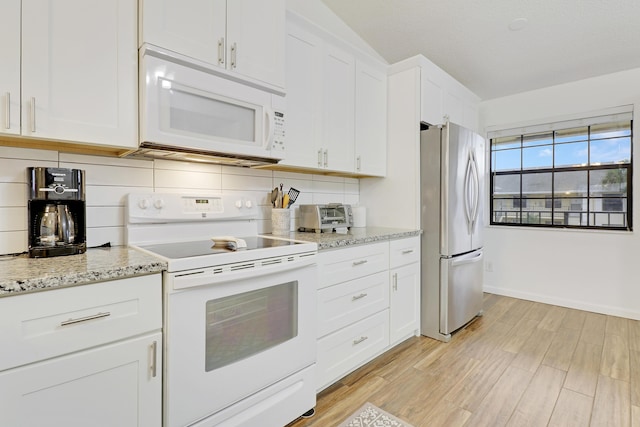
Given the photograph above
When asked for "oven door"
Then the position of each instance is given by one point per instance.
(227, 341)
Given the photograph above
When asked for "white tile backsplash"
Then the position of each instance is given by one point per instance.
(110, 179)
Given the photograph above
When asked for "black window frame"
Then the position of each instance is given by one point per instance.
(522, 218)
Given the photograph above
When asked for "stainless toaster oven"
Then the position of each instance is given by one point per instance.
(325, 218)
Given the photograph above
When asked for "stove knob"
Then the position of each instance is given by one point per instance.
(239, 204)
(248, 204)
(158, 203)
(143, 203)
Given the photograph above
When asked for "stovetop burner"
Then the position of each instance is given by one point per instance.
(180, 250)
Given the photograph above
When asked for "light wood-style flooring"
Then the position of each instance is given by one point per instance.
(521, 364)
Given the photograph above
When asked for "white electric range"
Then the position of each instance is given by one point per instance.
(239, 325)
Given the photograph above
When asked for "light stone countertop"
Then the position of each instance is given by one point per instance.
(354, 236)
(21, 274)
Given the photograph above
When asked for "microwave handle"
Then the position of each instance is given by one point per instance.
(269, 127)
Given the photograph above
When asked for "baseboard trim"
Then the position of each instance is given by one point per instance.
(579, 305)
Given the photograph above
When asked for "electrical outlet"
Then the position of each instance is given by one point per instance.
(488, 266)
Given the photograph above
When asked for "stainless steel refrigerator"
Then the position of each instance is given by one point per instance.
(452, 197)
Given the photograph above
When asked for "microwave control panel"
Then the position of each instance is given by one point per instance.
(278, 131)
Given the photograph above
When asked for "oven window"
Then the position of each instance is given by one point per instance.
(242, 325)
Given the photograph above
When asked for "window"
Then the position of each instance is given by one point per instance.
(565, 174)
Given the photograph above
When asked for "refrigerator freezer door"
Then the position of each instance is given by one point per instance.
(460, 290)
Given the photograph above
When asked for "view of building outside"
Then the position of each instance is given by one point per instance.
(576, 177)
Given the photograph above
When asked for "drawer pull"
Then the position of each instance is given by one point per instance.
(364, 261)
(395, 281)
(359, 340)
(154, 354)
(357, 297)
(407, 251)
(84, 319)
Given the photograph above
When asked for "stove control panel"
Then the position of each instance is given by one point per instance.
(169, 207)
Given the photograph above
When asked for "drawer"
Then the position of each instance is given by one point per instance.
(404, 251)
(41, 325)
(345, 303)
(342, 265)
(347, 349)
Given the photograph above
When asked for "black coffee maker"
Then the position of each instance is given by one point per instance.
(57, 212)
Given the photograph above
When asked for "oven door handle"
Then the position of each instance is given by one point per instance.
(209, 276)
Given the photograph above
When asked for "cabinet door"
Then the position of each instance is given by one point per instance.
(371, 120)
(405, 302)
(453, 107)
(79, 71)
(304, 98)
(114, 385)
(194, 28)
(256, 39)
(431, 100)
(10, 69)
(339, 104)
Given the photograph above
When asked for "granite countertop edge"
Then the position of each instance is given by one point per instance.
(355, 236)
(21, 275)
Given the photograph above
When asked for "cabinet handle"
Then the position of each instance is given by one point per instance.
(395, 281)
(326, 158)
(407, 251)
(7, 113)
(358, 163)
(357, 297)
(221, 51)
(359, 340)
(153, 366)
(234, 54)
(33, 114)
(362, 261)
(85, 319)
(320, 158)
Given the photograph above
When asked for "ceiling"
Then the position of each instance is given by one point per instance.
(562, 40)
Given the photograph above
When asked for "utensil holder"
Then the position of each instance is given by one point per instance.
(280, 221)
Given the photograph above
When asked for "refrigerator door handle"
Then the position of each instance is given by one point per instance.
(476, 190)
(467, 259)
(468, 210)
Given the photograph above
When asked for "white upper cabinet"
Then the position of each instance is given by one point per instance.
(339, 109)
(10, 69)
(336, 104)
(79, 71)
(442, 96)
(246, 37)
(371, 120)
(304, 98)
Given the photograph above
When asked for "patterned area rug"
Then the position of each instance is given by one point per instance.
(371, 416)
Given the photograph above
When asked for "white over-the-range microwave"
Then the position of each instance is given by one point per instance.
(191, 111)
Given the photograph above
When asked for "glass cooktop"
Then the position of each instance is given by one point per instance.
(206, 247)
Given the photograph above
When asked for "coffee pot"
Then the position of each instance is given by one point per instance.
(57, 226)
(56, 212)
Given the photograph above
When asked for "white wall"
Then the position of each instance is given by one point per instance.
(109, 179)
(586, 269)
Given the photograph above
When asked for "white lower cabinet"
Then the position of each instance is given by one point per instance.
(364, 307)
(115, 385)
(83, 355)
(404, 275)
